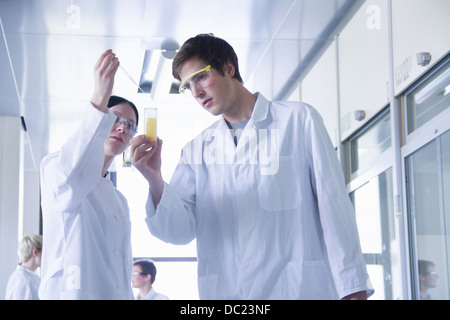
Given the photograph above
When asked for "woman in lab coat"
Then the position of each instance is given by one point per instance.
(23, 284)
(86, 219)
(270, 211)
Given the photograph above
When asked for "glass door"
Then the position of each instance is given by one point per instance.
(371, 190)
(375, 219)
(428, 192)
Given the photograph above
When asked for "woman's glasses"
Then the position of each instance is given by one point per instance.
(130, 126)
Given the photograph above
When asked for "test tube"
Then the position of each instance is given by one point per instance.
(150, 116)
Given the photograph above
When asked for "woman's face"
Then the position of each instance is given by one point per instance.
(118, 138)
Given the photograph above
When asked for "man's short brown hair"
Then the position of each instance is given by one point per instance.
(210, 49)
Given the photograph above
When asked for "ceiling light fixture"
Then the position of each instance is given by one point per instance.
(156, 75)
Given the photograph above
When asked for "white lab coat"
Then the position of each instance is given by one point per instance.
(153, 295)
(86, 223)
(275, 224)
(23, 284)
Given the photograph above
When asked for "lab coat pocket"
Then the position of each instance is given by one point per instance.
(281, 190)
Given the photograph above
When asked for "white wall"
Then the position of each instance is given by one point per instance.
(10, 146)
(418, 26)
(319, 89)
(361, 72)
(363, 60)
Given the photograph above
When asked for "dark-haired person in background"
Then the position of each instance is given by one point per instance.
(427, 278)
(144, 275)
(86, 222)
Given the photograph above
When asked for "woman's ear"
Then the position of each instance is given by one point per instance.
(34, 252)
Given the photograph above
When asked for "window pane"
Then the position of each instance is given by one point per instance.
(176, 279)
(368, 211)
(376, 226)
(371, 143)
(429, 213)
(429, 99)
(176, 265)
(135, 189)
(445, 143)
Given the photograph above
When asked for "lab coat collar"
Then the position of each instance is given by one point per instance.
(23, 269)
(260, 111)
(259, 114)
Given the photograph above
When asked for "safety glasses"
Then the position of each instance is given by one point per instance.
(130, 126)
(197, 79)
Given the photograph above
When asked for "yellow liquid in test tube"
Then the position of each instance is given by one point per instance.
(150, 116)
(150, 128)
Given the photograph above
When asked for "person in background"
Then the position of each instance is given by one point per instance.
(86, 222)
(144, 275)
(427, 278)
(269, 210)
(23, 284)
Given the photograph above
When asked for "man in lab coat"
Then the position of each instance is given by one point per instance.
(87, 228)
(261, 190)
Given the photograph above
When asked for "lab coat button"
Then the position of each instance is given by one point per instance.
(116, 252)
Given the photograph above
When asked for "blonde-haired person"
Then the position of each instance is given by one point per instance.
(23, 284)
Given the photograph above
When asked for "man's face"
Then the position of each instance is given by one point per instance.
(139, 279)
(431, 277)
(213, 91)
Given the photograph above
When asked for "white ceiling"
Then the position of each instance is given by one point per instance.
(48, 49)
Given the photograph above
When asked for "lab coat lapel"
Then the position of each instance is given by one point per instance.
(227, 146)
(247, 148)
(261, 109)
(246, 151)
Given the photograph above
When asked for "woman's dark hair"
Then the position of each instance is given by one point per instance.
(147, 267)
(115, 100)
(212, 50)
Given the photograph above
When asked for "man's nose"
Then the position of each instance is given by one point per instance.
(197, 92)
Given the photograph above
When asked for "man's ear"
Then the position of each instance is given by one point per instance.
(229, 69)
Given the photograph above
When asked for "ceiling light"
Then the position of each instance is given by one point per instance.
(156, 75)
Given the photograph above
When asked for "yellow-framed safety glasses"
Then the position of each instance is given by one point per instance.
(196, 79)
